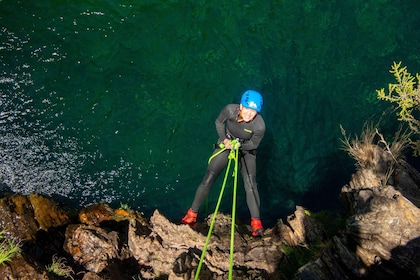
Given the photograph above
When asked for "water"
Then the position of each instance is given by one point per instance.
(115, 101)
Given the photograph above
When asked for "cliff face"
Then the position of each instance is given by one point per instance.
(382, 236)
(381, 239)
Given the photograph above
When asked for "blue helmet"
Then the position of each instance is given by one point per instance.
(252, 99)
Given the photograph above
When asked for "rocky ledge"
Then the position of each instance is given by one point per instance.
(381, 239)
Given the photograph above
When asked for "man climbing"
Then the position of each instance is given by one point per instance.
(241, 122)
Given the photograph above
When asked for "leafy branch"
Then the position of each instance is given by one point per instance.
(405, 94)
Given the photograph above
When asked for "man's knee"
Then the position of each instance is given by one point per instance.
(250, 183)
(209, 178)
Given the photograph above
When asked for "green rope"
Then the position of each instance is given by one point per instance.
(212, 221)
(232, 231)
(222, 149)
(233, 155)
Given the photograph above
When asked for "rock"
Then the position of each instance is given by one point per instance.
(175, 250)
(286, 233)
(17, 217)
(95, 214)
(27, 219)
(24, 216)
(22, 269)
(382, 238)
(91, 276)
(91, 246)
(304, 226)
(47, 213)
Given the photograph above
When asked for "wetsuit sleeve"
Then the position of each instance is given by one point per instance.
(256, 138)
(220, 123)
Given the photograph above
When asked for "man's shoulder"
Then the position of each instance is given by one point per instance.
(234, 106)
(231, 108)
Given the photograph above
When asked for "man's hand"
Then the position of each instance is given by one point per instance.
(227, 144)
(231, 144)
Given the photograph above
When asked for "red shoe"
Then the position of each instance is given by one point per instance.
(257, 227)
(190, 218)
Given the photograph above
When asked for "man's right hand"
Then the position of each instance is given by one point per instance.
(227, 144)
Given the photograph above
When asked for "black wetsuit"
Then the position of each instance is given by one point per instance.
(250, 135)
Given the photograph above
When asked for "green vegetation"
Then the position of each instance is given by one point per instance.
(296, 257)
(124, 206)
(332, 222)
(9, 247)
(406, 94)
(60, 268)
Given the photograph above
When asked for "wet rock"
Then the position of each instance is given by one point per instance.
(17, 217)
(23, 216)
(27, 219)
(95, 214)
(47, 213)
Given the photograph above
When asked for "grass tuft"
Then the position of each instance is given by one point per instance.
(9, 247)
(60, 268)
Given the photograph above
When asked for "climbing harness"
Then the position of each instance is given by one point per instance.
(233, 155)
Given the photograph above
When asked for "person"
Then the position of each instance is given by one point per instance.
(243, 123)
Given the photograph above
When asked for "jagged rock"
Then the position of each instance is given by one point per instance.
(21, 269)
(23, 216)
(406, 179)
(175, 249)
(382, 238)
(95, 214)
(286, 233)
(91, 246)
(47, 213)
(17, 217)
(107, 241)
(304, 227)
(163, 245)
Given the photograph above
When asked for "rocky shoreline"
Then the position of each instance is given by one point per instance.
(380, 240)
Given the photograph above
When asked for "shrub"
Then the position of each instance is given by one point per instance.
(406, 94)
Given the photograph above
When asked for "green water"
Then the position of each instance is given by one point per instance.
(115, 101)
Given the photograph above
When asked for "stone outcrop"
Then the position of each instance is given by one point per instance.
(381, 239)
(106, 243)
(24, 216)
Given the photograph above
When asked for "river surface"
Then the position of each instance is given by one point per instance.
(115, 101)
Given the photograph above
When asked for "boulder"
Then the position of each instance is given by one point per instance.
(175, 250)
(31, 221)
(23, 216)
